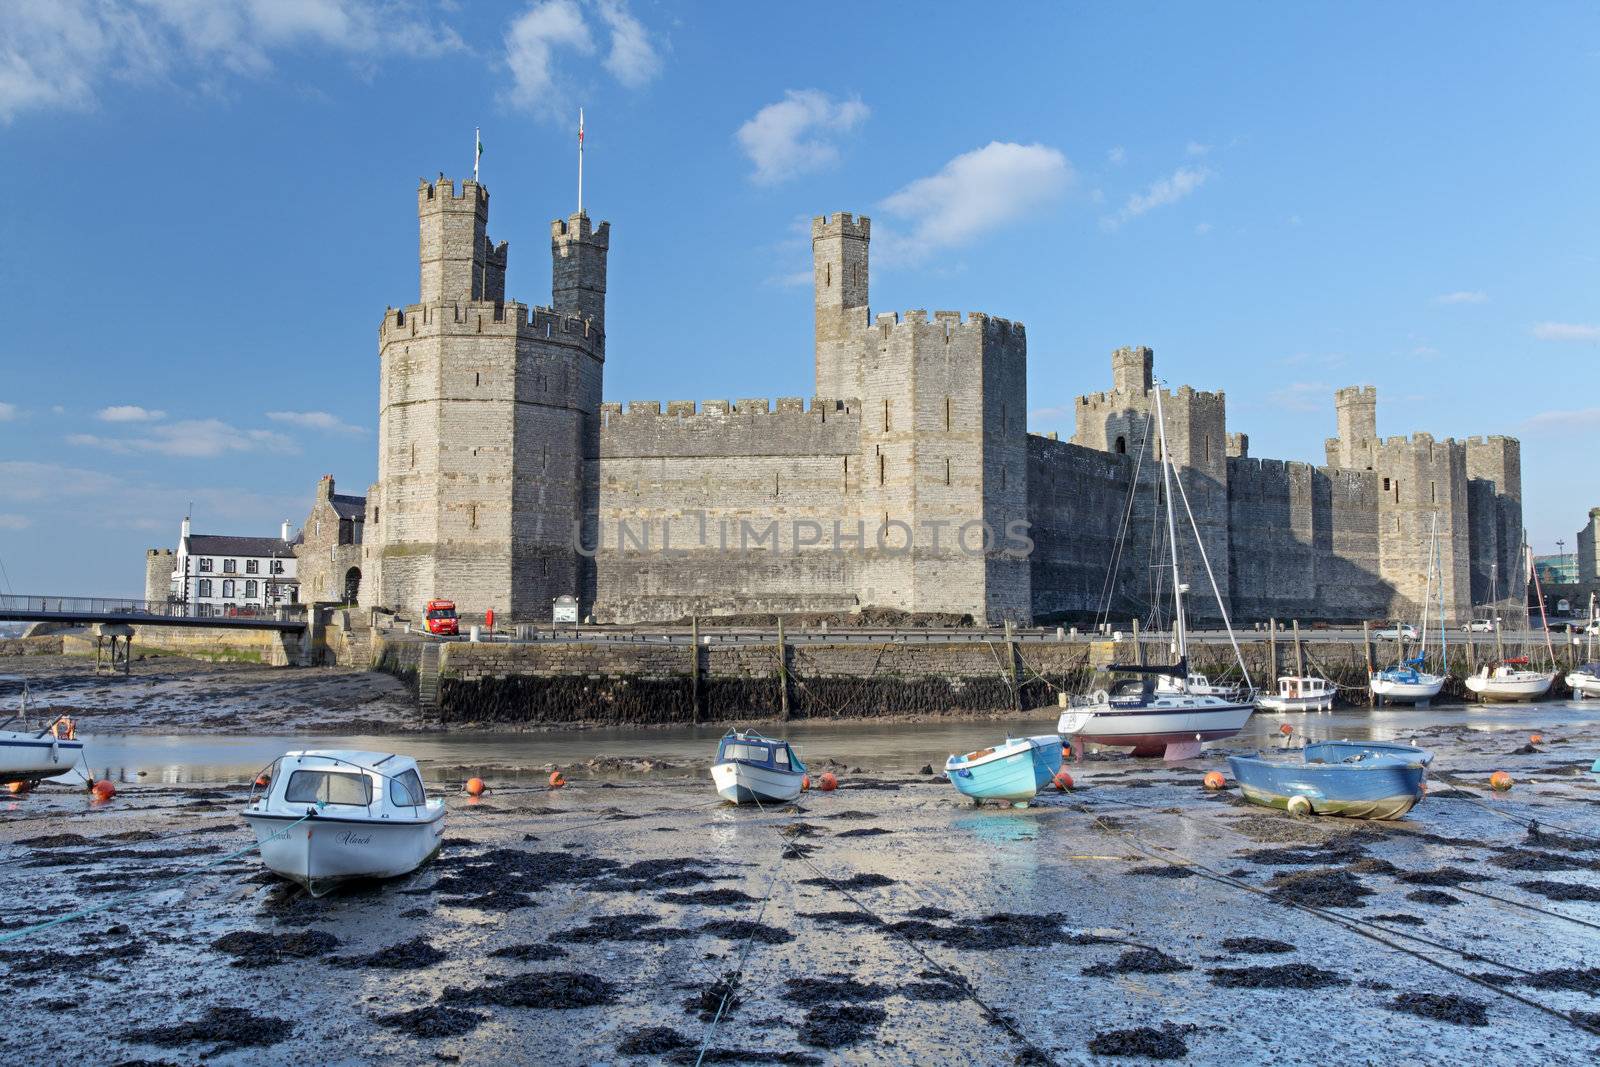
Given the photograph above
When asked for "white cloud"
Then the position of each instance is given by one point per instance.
(974, 193)
(63, 53)
(1566, 331)
(1117, 155)
(315, 420)
(1195, 148)
(7, 411)
(14, 522)
(542, 38)
(1202, 228)
(1303, 396)
(1169, 190)
(1579, 419)
(633, 59)
(1462, 296)
(798, 134)
(1425, 351)
(191, 438)
(129, 413)
(52, 493)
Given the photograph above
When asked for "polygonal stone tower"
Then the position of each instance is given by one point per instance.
(488, 436)
(839, 265)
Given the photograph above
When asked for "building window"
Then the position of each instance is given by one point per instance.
(204, 587)
(252, 566)
(1122, 446)
(205, 564)
(230, 566)
(277, 566)
(227, 588)
(1386, 485)
(249, 590)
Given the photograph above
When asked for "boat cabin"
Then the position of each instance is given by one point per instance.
(341, 783)
(1294, 686)
(757, 751)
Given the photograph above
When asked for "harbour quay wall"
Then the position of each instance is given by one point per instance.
(221, 644)
(643, 684)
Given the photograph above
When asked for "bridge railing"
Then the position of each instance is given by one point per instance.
(120, 607)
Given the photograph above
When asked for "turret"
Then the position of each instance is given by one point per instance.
(839, 265)
(578, 253)
(1131, 369)
(1357, 408)
(458, 261)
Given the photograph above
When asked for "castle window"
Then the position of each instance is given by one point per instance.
(881, 467)
(1433, 492)
(827, 274)
(472, 511)
(774, 486)
(946, 413)
(375, 515)
(847, 473)
(1386, 485)
(477, 377)
(1122, 445)
(885, 414)
(1397, 490)
(1208, 449)
(947, 472)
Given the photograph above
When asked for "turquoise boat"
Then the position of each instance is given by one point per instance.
(1356, 779)
(1014, 771)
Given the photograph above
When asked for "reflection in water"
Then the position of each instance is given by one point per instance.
(899, 747)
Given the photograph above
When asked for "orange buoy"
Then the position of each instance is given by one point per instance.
(805, 782)
(1534, 739)
(1215, 780)
(19, 787)
(1500, 781)
(556, 781)
(1062, 781)
(1286, 729)
(263, 780)
(103, 789)
(827, 783)
(475, 787)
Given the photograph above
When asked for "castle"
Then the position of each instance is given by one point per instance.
(908, 481)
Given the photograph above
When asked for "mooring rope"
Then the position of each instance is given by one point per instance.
(165, 883)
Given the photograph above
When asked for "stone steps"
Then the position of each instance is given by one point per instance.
(428, 676)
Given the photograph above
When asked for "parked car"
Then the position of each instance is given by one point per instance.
(1394, 633)
(1479, 626)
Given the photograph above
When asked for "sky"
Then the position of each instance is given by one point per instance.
(213, 201)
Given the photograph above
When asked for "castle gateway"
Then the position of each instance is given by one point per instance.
(909, 480)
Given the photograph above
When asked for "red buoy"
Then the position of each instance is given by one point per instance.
(1534, 739)
(1500, 781)
(18, 787)
(475, 787)
(805, 782)
(1062, 781)
(1286, 729)
(827, 783)
(103, 789)
(1214, 780)
(556, 781)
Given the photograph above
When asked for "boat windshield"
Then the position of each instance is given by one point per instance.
(1132, 687)
(328, 787)
(767, 753)
(405, 790)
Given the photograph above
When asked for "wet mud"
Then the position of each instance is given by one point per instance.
(1149, 1042)
(1443, 1007)
(1281, 976)
(220, 1029)
(1326, 888)
(1255, 945)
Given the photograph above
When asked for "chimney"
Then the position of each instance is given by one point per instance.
(184, 535)
(287, 530)
(325, 487)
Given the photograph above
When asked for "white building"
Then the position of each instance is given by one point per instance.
(228, 575)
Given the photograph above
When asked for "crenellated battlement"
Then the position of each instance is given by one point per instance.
(485, 317)
(1245, 466)
(441, 195)
(842, 222)
(950, 322)
(577, 227)
(820, 408)
(1356, 393)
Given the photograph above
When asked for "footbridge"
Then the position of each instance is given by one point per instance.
(84, 611)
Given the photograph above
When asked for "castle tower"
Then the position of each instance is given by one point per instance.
(1131, 369)
(1357, 412)
(579, 255)
(488, 422)
(839, 266)
(160, 565)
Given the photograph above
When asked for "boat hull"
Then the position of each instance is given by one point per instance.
(1279, 703)
(1010, 772)
(1384, 790)
(1400, 692)
(1046, 758)
(1150, 730)
(323, 853)
(741, 783)
(1583, 684)
(1510, 690)
(26, 758)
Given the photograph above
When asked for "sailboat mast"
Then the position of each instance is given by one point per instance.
(1427, 591)
(1538, 591)
(1444, 628)
(1179, 627)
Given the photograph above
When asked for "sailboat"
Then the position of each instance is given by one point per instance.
(1406, 682)
(1164, 710)
(1510, 680)
(1584, 681)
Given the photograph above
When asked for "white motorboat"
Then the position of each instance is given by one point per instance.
(751, 769)
(1406, 685)
(1298, 693)
(31, 756)
(1165, 710)
(1509, 681)
(331, 816)
(1585, 681)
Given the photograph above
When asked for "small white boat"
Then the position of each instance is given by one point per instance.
(752, 769)
(1299, 694)
(1508, 682)
(33, 755)
(1585, 681)
(330, 816)
(1406, 685)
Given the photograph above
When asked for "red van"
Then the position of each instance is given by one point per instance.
(440, 618)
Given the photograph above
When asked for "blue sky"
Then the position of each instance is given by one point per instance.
(212, 203)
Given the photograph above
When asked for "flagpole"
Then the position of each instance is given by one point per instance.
(477, 151)
(580, 161)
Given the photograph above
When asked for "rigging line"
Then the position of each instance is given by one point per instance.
(1107, 587)
(1341, 921)
(1222, 607)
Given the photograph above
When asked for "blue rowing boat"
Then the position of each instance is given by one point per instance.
(1014, 771)
(1356, 779)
